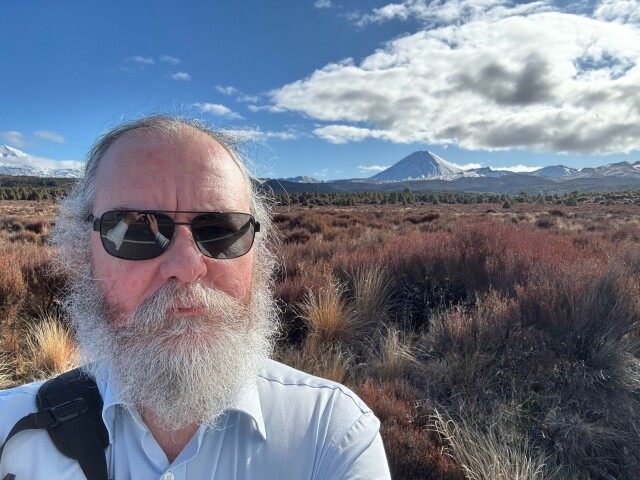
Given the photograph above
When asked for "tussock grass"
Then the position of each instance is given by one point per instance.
(327, 361)
(52, 349)
(372, 292)
(396, 355)
(492, 453)
(6, 380)
(329, 319)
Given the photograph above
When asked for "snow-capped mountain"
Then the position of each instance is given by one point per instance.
(418, 166)
(487, 172)
(555, 171)
(301, 179)
(16, 162)
(6, 151)
(620, 169)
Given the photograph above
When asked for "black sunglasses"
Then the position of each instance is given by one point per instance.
(145, 234)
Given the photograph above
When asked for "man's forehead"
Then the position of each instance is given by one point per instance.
(187, 164)
(187, 149)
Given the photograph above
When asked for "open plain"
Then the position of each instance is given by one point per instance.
(491, 342)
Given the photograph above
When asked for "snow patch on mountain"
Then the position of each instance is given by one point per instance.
(555, 171)
(17, 162)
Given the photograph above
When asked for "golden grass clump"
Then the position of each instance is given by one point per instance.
(328, 362)
(328, 318)
(396, 355)
(372, 293)
(5, 373)
(492, 453)
(51, 347)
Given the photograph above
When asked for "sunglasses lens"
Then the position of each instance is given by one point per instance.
(132, 236)
(223, 235)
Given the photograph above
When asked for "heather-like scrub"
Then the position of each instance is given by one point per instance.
(413, 449)
(491, 343)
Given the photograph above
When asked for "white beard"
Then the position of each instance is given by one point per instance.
(186, 370)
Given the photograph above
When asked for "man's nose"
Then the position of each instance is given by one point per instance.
(182, 260)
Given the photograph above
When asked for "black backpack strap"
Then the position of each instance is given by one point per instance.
(70, 408)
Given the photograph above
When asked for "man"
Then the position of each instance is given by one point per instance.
(177, 333)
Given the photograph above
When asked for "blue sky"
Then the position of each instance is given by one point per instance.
(337, 89)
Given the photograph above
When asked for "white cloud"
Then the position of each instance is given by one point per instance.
(438, 12)
(468, 166)
(501, 76)
(13, 137)
(41, 162)
(267, 108)
(372, 168)
(620, 11)
(181, 76)
(322, 4)
(346, 133)
(226, 90)
(243, 135)
(48, 135)
(139, 59)
(283, 135)
(321, 173)
(216, 110)
(248, 98)
(170, 60)
(517, 169)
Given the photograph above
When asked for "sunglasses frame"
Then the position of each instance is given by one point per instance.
(97, 221)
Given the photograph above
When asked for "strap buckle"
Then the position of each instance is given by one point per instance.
(53, 416)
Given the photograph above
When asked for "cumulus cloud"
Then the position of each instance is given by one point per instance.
(346, 133)
(485, 74)
(372, 168)
(248, 98)
(619, 11)
(48, 135)
(181, 76)
(216, 110)
(282, 135)
(226, 90)
(170, 60)
(140, 60)
(13, 137)
(322, 4)
(267, 108)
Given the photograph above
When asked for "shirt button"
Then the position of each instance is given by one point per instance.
(168, 476)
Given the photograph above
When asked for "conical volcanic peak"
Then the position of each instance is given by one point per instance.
(418, 165)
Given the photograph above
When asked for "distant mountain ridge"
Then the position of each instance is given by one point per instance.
(9, 156)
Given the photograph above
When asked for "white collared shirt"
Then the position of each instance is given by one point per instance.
(288, 425)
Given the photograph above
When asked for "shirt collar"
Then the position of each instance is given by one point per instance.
(248, 402)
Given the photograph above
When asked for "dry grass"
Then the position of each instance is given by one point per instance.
(469, 309)
(52, 349)
(329, 319)
(372, 294)
(395, 357)
(328, 362)
(6, 369)
(492, 453)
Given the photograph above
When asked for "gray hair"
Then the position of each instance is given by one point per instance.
(71, 233)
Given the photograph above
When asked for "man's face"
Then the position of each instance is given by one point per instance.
(188, 173)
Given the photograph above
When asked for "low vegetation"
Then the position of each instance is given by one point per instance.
(492, 343)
